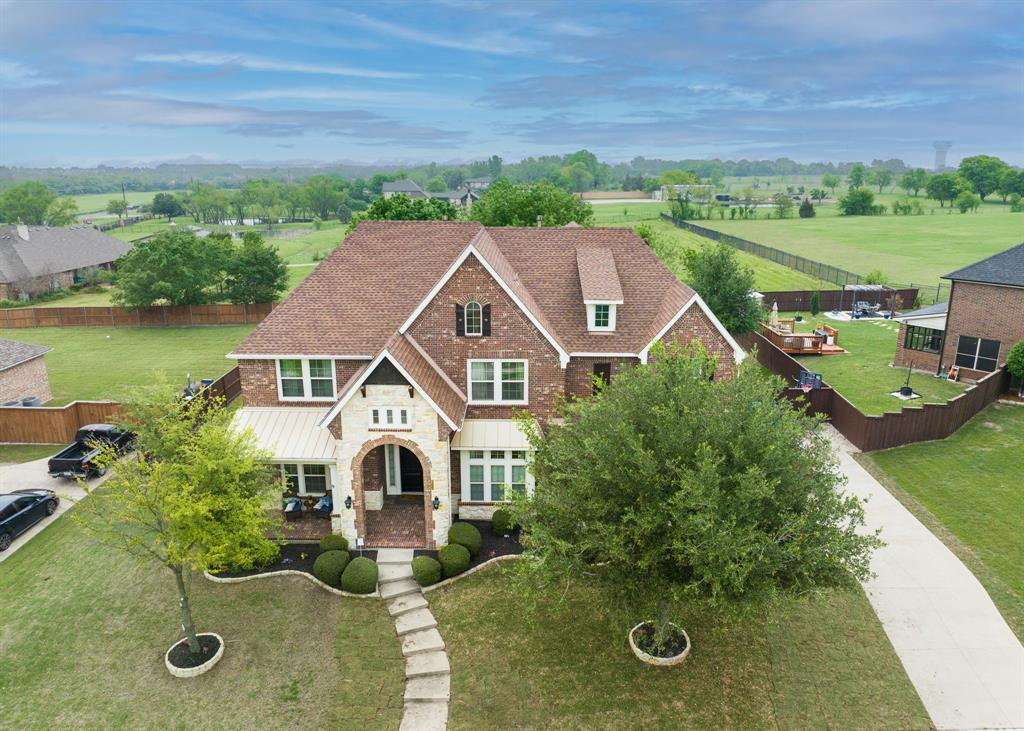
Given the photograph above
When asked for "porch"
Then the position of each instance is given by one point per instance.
(397, 524)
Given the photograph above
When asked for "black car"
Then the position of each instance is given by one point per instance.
(22, 509)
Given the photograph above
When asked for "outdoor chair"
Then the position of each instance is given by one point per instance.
(323, 507)
(293, 509)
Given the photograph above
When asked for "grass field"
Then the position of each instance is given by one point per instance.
(97, 363)
(85, 629)
(979, 500)
(810, 663)
(27, 452)
(97, 202)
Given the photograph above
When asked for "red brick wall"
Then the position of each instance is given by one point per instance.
(695, 324)
(24, 381)
(259, 382)
(374, 473)
(983, 311)
(579, 374)
(512, 336)
(921, 360)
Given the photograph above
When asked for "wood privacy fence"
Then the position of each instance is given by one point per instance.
(167, 316)
(892, 429)
(837, 299)
(58, 424)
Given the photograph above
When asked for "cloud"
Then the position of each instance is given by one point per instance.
(256, 63)
(406, 99)
(17, 75)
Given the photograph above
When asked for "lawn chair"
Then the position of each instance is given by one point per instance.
(323, 507)
(293, 509)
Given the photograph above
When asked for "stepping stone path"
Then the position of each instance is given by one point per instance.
(427, 672)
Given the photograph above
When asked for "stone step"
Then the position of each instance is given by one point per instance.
(428, 688)
(414, 621)
(399, 588)
(429, 663)
(416, 643)
(394, 555)
(425, 716)
(393, 572)
(406, 603)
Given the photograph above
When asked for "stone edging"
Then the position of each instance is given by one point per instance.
(473, 570)
(288, 572)
(663, 662)
(199, 669)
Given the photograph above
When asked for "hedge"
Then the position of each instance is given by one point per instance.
(426, 570)
(329, 565)
(501, 521)
(334, 542)
(360, 577)
(454, 559)
(465, 534)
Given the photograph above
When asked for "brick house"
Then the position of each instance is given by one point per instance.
(23, 373)
(390, 378)
(976, 328)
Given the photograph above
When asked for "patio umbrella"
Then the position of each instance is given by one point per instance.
(775, 315)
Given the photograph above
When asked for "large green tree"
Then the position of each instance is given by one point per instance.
(725, 284)
(857, 202)
(255, 272)
(322, 196)
(506, 204)
(174, 267)
(117, 207)
(857, 175)
(914, 180)
(945, 187)
(165, 204)
(983, 172)
(831, 182)
(881, 177)
(670, 487)
(1010, 182)
(33, 204)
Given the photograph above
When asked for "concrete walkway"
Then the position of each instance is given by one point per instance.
(963, 659)
(427, 672)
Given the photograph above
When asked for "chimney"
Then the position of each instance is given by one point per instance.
(540, 220)
(23, 232)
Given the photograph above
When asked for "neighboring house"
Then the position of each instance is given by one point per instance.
(479, 183)
(23, 374)
(391, 377)
(976, 328)
(463, 197)
(38, 259)
(408, 187)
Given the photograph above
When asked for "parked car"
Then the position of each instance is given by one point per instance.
(79, 459)
(22, 509)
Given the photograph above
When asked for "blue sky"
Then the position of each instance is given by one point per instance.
(455, 80)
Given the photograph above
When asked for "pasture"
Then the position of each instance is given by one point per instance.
(97, 202)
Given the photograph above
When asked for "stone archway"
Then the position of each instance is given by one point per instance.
(359, 502)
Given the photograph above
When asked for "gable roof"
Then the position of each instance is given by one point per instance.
(50, 250)
(1005, 268)
(939, 308)
(14, 353)
(599, 281)
(401, 186)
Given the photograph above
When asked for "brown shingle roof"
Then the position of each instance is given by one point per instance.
(441, 390)
(13, 352)
(599, 279)
(49, 250)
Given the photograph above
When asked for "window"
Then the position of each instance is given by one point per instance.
(391, 417)
(300, 379)
(497, 381)
(977, 353)
(925, 339)
(486, 475)
(602, 315)
(474, 319)
(306, 479)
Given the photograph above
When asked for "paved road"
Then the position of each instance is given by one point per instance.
(32, 475)
(963, 659)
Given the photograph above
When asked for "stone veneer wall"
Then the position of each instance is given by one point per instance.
(983, 311)
(25, 380)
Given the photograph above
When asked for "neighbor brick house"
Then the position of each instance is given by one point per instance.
(23, 373)
(391, 377)
(976, 328)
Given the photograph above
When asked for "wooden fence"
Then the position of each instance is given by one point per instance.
(894, 428)
(58, 424)
(21, 317)
(837, 299)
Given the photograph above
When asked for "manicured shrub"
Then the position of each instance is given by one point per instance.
(454, 559)
(426, 570)
(334, 543)
(329, 565)
(360, 577)
(465, 534)
(502, 521)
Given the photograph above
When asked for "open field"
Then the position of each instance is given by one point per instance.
(627, 214)
(98, 363)
(815, 662)
(97, 202)
(85, 630)
(979, 500)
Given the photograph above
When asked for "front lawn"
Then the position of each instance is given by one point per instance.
(85, 629)
(15, 453)
(971, 482)
(820, 662)
(97, 363)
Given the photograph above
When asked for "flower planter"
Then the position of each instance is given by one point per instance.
(191, 672)
(653, 659)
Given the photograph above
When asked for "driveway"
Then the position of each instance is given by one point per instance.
(964, 661)
(29, 475)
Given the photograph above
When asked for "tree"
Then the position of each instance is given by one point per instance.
(807, 209)
(192, 498)
(255, 272)
(725, 284)
(436, 184)
(983, 172)
(881, 177)
(815, 304)
(831, 182)
(875, 276)
(857, 175)
(857, 202)
(967, 201)
(1015, 364)
(118, 207)
(165, 204)
(265, 196)
(322, 197)
(62, 212)
(454, 179)
(402, 208)
(174, 267)
(679, 177)
(494, 164)
(944, 187)
(818, 194)
(783, 204)
(669, 487)
(1011, 182)
(26, 203)
(914, 180)
(507, 204)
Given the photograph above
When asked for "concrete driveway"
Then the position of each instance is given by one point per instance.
(30, 475)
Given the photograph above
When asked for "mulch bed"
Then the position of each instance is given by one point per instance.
(675, 645)
(181, 657)
(293, 557)
(492, 544)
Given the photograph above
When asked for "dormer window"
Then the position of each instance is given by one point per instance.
(599, 285)
(474, 319)
(601, 316)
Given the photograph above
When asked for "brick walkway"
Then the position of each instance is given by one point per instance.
(399, 524)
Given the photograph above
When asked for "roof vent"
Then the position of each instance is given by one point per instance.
(23, 232)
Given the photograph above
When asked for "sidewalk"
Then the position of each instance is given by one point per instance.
(963, 659)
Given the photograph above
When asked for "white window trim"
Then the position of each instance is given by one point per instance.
(302, 478)
(396, 424)
(487, 461)
(497, 400)
(307, 387)
(592, 325)
(465, 320)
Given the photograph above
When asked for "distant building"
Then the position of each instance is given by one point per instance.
(407, 187)
(464, 196)
(479, 183)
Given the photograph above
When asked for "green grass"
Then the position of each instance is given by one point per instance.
(821, 662)
(27, 452)
(97, 202)
(85, 629)
(96, 363)
(81, 299)
(862, 374)
(627, 214)
(971, 482)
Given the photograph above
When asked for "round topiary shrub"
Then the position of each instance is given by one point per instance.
(329, 565)
(426, 570)
(501, 521)
(334, 543)
(454, 559)
(360, 577)
(465, 534)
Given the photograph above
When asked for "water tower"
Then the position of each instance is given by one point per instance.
(941, 148)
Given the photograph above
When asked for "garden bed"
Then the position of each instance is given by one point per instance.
(293, 557)
(492, 545)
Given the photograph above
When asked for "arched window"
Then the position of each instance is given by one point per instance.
(474, 319)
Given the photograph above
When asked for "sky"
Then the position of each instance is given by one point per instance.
(456, 80)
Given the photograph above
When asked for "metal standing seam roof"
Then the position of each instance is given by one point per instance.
(490, 434)
(289, 434)
(940, 308)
